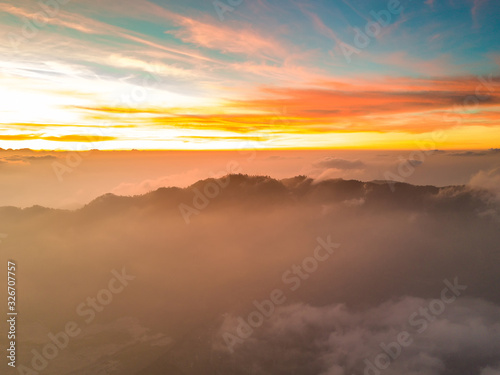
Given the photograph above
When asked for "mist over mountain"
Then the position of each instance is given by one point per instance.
(229, 187)
(257, 190)
(356, 264)
(69, 180)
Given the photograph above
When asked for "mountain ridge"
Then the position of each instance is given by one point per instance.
(265, 189)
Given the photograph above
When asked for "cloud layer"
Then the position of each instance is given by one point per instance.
(245, 237)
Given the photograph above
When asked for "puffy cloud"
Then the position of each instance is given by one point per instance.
(491, 151)
(335, 339)
(489, 180)
(337, 163)
(149, 185)
(490, 371)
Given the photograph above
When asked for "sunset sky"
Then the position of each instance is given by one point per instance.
(195, 74)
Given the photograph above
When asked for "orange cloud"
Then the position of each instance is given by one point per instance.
(79, 138)
(62, 138)
(394, 105)
(227, 39)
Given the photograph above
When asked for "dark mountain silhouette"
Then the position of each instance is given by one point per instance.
(264, 191)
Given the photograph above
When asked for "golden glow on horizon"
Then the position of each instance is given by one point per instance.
(185, 98)
(382, 115)
(453, 139)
